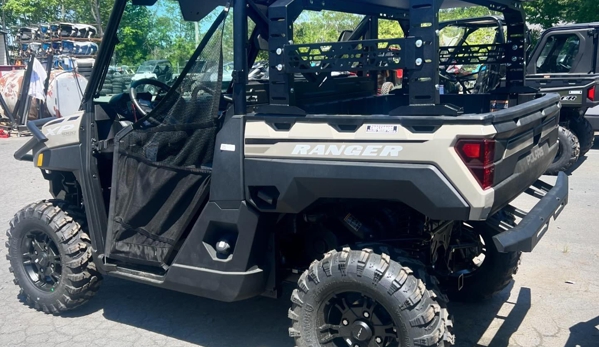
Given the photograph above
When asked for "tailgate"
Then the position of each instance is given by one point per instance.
(526, 143)
(574, 89)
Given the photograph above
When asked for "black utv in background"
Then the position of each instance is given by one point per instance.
(566, 61)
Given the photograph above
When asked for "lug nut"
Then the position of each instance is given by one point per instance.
(378, 340)
(345, 322)
(366, 314)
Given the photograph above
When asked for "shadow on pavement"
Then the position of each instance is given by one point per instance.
(255, 322)
(585, 334)
(263, 322)
(576, 165)
(489, 323)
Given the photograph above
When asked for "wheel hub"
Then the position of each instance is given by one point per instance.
(354, 319)
(41, 260)
(361, 331)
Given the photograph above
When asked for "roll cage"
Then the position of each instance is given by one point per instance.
(362, 51)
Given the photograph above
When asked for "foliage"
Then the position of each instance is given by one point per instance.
(551, 12)
(157, 33)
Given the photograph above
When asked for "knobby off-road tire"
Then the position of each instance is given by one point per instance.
(50, 236)
(583, 130)
(369, 299)
(495, 272)
(568, 153)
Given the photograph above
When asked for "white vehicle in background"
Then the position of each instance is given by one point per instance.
(160, 70)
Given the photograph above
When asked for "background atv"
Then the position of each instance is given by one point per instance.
(564, 61)
(376, 206)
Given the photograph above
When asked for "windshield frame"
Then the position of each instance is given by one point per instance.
(111, 40)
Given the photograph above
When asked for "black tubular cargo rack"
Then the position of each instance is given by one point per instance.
(418, 53)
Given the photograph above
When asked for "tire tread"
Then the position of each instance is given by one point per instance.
(80, 277)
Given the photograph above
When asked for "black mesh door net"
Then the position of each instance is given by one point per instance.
(162, 170)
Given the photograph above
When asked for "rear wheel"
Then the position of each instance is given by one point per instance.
(363, 299)
(50, 256)
(485, 271)
(583, 130)
(567, 154)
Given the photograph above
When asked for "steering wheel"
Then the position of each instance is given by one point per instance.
(144, 110)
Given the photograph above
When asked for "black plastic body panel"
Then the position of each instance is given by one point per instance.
(567, 83)
(525, 236)
(531, 140)
(226, 187)
(302, 182)
(67, 158)
(197, 270)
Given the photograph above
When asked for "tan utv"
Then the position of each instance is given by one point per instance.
(378, 207)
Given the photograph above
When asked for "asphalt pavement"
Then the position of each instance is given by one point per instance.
(554, 301)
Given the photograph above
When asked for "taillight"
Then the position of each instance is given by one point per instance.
(479, 157)
(399, 73)
(592, 93)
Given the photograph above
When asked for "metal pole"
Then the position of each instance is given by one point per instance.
(240, 37)
(3, 15)
(21, 109)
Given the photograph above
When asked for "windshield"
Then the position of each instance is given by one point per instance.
(145, 68)
(156, 42)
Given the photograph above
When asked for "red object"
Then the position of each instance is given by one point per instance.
(479, 157)
(399, 73)
(4, 134)
(592, 93)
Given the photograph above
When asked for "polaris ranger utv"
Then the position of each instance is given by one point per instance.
(379, 207)
(564, 61)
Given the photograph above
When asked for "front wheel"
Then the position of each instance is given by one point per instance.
(50, 257)
(363, 299)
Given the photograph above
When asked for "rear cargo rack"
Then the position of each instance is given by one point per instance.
(472, 55)
(364, 55)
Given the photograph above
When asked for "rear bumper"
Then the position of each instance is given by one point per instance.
(534, 224)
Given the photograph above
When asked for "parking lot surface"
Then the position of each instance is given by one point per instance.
(554, 301)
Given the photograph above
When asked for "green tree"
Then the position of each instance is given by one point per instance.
(551, 12)
(133, 48)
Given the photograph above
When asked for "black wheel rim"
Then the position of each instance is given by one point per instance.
(356, 320)
(41, 260)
